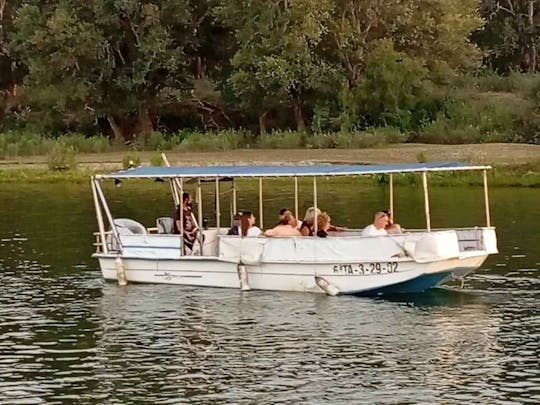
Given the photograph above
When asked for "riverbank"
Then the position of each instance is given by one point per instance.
(514, 164)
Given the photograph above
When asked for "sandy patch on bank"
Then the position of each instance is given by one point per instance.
(495, 153)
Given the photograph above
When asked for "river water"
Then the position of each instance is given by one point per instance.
(66, 336)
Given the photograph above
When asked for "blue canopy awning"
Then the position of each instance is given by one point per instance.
(284, 171)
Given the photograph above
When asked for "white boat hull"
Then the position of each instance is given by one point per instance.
(342, 264)
(409, 277)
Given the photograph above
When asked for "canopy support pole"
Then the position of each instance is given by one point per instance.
(261, 219)
(296, 197)
(391, 196)
(108, 214)
(181, 185)
(173, 182)
(426, 200)
(199, 216)
(315, 206)
(174, 193)
(199, 201)
(233, 199)
(99, 217)
(218, 208)
(486, 199)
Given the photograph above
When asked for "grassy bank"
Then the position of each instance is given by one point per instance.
(514, 165)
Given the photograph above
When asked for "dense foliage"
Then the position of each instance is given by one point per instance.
(428, 69)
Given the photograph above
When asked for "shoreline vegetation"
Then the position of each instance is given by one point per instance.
(514, 165)
(87, 86)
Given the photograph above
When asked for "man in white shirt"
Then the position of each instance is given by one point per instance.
(378, 227)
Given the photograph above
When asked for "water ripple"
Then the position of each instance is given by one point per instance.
(66, 336)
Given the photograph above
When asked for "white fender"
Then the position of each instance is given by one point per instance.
(243, 277)
(120, 271)
(328, 288)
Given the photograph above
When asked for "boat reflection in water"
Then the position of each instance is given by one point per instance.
(206, 343)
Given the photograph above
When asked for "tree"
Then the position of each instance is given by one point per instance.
(435, 31)
(9, 72)
(105, 58)
(277, 62)
(511, 34)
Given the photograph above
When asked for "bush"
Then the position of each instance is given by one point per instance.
(355, 139)
(61, 157)
(281, 140)
(222, 140)
(321, 120)
(12, 150)
(22, 143)
(151, 141)
(478, 117)
(389, 134)
(83, 144)
(395, 86)
(131, 160)
(157, 160)
(512, 83)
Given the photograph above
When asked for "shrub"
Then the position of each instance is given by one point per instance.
(321, 120)
(12, 150)
(478, 117)
(61, 157)
(389, 134)
(30, 144)
(393, 88)
(83, 144)
(356, 139)
(281, 140)
(346, 140)
(488, 81)
(152, 141)
(222, 140)
(327, 140)
(131, 160)
(157, 160)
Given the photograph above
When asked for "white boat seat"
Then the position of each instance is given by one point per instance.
(165, 225)
(126, 226)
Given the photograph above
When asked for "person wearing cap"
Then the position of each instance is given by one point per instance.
(378, 227)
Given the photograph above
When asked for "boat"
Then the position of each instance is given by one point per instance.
(345, 263)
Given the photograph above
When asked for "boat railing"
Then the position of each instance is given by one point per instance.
(469, 238)
(99, 242)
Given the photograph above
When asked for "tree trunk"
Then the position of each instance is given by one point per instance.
(143, 123)
(532, 65)
(298, 115)
(262, 122)
(118, 135)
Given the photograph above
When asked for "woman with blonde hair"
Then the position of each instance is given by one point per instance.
(308, 224)
(323, 225)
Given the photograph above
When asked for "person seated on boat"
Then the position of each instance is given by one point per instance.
(323, 225)
(236, 224)
(248, 227)
(189, 224)
(307, 226)
(306, 229)
(378, 227)
(392, 228)
(282, 213)
(285, 227)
